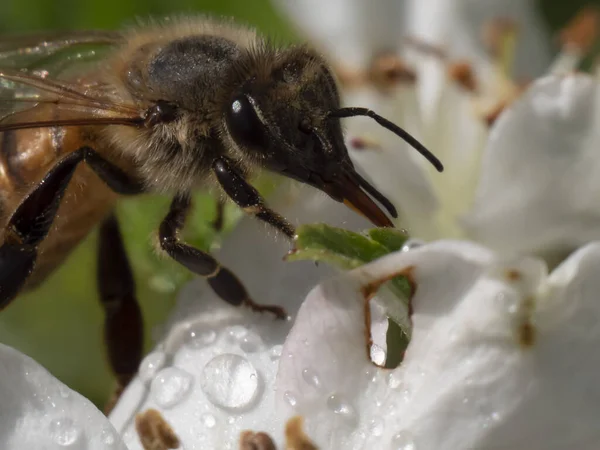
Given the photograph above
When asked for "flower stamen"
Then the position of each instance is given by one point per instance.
(154, 431)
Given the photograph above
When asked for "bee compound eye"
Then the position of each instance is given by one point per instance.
(243, 123)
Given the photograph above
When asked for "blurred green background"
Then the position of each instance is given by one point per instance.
(60, 324)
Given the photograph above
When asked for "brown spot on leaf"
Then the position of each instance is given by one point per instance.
(249, 440)
(295, 438)
(463, 74)
(369, 290)
(154, 431)
(581, 32)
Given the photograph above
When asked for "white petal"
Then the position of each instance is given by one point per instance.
(500, 357)
(325, 373)
(226, 358)
(458, 26)
(39, 412)
(350, 32)
(539, 182)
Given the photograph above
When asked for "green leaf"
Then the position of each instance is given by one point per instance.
(390, 238)
(336, 246)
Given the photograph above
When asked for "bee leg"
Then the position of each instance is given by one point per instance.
(248, 198)
(223, 282)
(123, 322)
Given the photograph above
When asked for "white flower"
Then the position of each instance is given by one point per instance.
(502, 355)
(39, 412)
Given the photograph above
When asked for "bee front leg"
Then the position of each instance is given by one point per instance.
(222, 281)
(248, 198)
(123, 322)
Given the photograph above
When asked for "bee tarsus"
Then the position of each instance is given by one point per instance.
(223, 282)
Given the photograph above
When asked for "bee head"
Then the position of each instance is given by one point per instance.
(285, 116)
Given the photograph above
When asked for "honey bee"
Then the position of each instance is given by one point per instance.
(87, 117)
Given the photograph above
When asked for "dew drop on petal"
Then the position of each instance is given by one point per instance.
(171, 386)
(403, 441)
(108, 437)
(251, 342)
(150, 365)
(64, 391)
(230, 381)
(64, 431)
(394, 380)
(337, 404)
(378, 355)
(208, 420)
(411, 244)
(376, 426)
(310, 377)
(236, 333)
(200, 337)
(275, 352)
(290, 398)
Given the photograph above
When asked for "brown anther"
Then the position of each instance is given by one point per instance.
(513, 275)
(462, 73)
(581, 32)
(249, 440)
(495, 32)
(526, 331)
(350, 78)
(388, 70)
(362, 143)
(369, 291)
(295, 438)
(154, 431)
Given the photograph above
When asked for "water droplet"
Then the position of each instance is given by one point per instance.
(465, 400)
(406, 394)
(495, 416)
(403, 441)
(200, 337)
(376, 426)
(64, 431)
(290, 398)
(108, 437)
(378, 355)
(394, 380)
(311, 377)
(337, 404)
(208, 420)
(230, 381)
(171, 386)
(64, 391)
(275, 352)
(236, 333)
(251, 342)
(150, 365)
(411, 244)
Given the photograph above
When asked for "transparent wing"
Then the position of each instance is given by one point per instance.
(54, 53)
(73, 102)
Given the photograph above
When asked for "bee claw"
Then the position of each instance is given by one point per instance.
(278, 311)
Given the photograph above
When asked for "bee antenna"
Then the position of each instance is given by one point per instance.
(354, 111)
